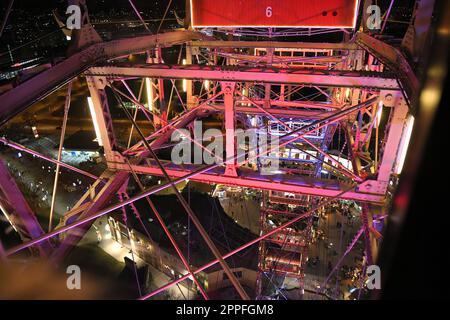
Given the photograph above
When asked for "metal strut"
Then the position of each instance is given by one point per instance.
(186, 206)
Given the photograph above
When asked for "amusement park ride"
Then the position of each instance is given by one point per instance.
(237, 66)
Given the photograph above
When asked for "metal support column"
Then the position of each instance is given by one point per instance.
(230, 128)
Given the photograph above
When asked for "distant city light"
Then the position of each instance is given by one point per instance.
(35, 132)
(94, 121)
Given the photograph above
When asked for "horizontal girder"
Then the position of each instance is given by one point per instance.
(355, 79)
(276, 182)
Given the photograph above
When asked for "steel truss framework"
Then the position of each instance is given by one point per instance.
(308, 98)
(284, 254)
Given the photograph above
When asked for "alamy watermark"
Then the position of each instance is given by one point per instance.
(74, 19)
(373, 281)
(73, 281)
(373, 21)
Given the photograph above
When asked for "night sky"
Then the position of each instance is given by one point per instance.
(93, 4)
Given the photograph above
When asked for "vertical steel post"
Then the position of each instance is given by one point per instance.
(230, 127)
